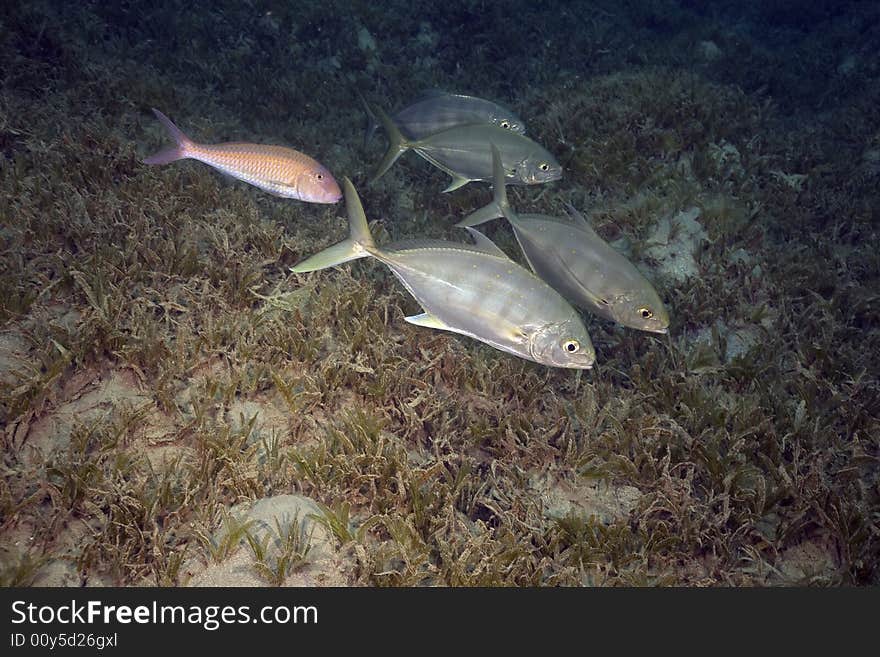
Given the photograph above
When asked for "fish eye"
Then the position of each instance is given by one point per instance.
(505, 124)
(320, 176)
(646, 313)
(571, 346)
(544, 166)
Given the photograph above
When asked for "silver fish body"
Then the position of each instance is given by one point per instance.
(474, 290)
(464, 152)
(436, 111)
(577, 262)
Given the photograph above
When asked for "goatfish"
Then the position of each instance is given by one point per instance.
(435, 111)
(276, 169)
(574, 260)
(463, 152)
(471, 289)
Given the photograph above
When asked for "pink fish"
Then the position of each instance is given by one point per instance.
(277, 169)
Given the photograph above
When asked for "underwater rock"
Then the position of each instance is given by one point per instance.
(726, 160)
(366, 42)
(847, 66)
(368, 47)
(674, 245)
(793, 180)
(871, 161)
(427, 38)
(709, 51)
(738, 342)
(741, 257)
(735, 341)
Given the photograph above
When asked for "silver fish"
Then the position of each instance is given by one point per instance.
(474, 290)
(575, 261)
(464, 153)
(435, 111)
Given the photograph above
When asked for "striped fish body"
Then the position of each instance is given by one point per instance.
(278, 170)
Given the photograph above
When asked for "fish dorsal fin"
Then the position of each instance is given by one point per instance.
(455, 183)
(433, 93)
(485, 244)
(428, 321)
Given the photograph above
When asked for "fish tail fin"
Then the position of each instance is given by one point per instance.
(372, 121)
(176, 152)
(359, 244)
(397, 145)
(499, 207)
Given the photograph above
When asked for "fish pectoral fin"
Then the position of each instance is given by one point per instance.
(485, 244)
(457, 181)
(428, 321)
(598, 300)
(580, 220)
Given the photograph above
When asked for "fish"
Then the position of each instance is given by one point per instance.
(435, 111)
(470, 289)
(463, 152)
(574, 260)
(278, 170)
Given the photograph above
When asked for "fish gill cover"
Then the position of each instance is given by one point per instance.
(167, 384)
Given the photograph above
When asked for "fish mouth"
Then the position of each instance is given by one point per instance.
(329, 196)
(545, 178)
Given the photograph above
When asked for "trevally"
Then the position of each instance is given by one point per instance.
(464, 153)
(471, 289)
(435, 111)
(574, 260)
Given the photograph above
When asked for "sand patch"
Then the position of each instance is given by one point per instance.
(90, 397)
(267, 517)
(602, 501)
(13, 357)
(807, 563)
